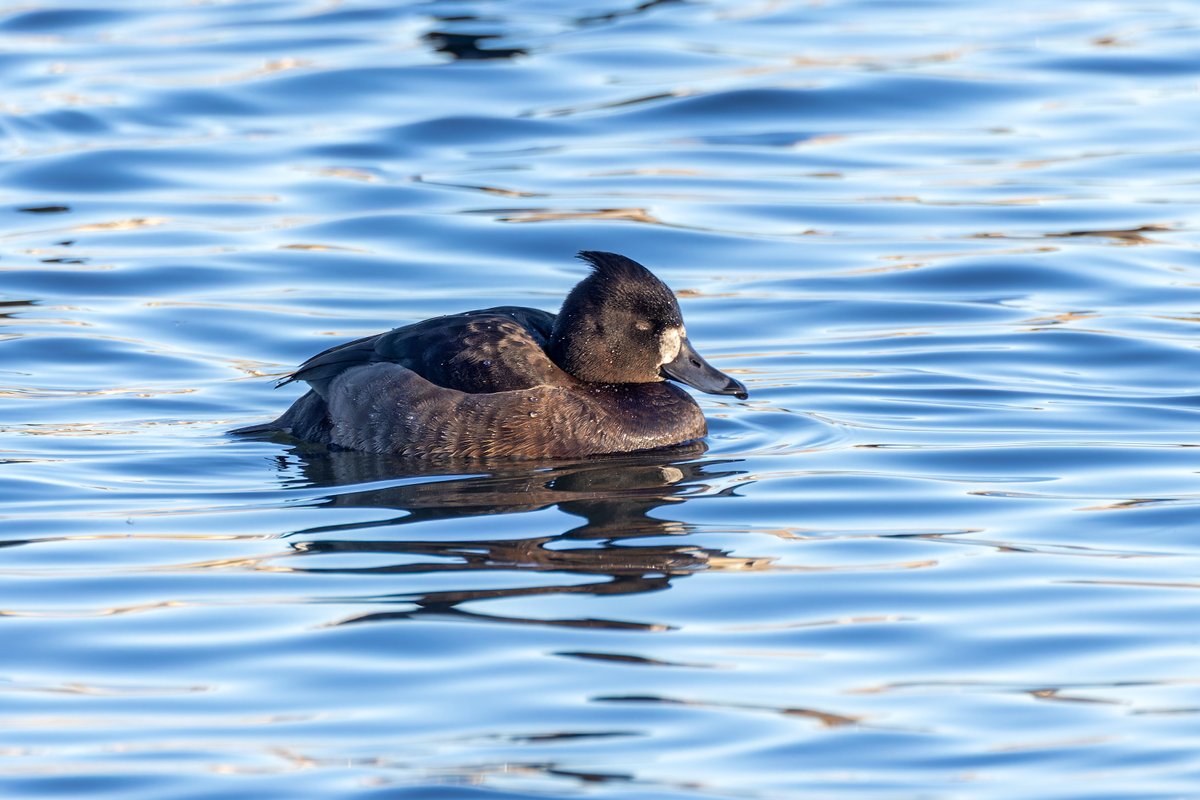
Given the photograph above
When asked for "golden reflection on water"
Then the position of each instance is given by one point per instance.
(1050, 744)
(1057, 695)
(258, 563)
(121, 224)
(1064, 318)
(100, 690)
(664, 171)
(322, 247)
(1128, 695)
(496, 190)
(1134, 583)
(1140, 502)
(548, 215)
(60, 265)
(269, 68)
(73, 428)
(1120, 236)
(1003, 201)
(115, 611)
(347, 173)
(917, 260)
(820, 623)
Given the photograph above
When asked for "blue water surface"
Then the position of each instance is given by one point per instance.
(948, 548)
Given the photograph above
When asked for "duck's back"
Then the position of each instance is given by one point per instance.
(491, 350)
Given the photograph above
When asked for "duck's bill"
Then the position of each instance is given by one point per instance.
(690, 367)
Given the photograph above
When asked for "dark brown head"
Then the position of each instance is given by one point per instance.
(622, 325)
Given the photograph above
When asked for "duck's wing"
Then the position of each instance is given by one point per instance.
(492, 350)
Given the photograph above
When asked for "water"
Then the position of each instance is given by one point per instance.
(947, 549)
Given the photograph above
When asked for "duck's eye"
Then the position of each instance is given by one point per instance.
(643, 325)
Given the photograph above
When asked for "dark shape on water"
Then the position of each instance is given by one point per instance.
(516, 382)
(1128, 235)
(466, 46)
(611, 16)
(45, 209)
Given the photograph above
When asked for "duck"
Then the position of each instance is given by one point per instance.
(514, 382)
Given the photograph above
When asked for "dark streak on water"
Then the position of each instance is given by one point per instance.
(947, 549)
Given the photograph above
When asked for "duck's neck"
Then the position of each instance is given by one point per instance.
(574, 325)
(576, 361)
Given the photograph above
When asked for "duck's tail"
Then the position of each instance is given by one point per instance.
(262, 427)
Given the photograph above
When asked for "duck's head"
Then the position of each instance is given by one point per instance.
(622, 325)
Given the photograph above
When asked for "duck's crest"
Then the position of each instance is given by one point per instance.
(611, 266)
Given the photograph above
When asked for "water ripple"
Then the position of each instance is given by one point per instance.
(944, 547)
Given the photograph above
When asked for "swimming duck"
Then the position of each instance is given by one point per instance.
(516, 382)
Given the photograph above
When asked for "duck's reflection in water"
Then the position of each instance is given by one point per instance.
(613, 496)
